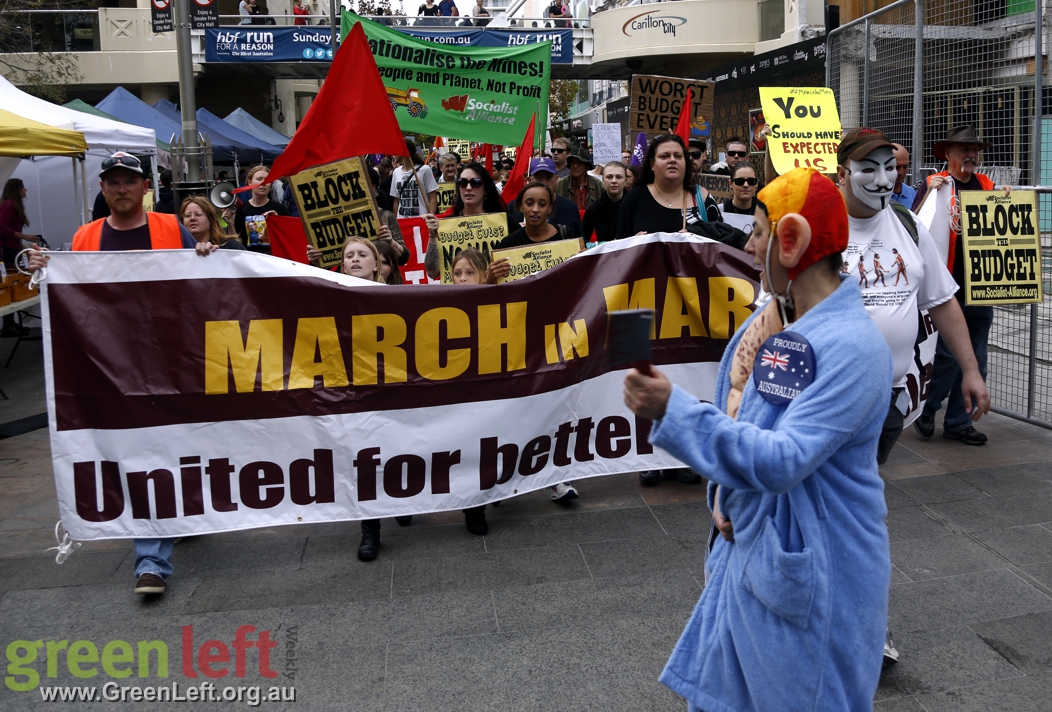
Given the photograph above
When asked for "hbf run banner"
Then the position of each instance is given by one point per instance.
(1002, 247)
(480, 94)
(311, 43)
(191, 395)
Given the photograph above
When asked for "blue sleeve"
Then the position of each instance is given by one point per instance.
(818, 423)
(189, 242)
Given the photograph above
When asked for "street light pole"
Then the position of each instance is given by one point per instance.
(187, 103)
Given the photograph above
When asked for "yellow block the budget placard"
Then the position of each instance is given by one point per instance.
(1002, 249)
(336, 201)
(805, 127)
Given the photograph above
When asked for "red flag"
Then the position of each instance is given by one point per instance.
(287, 238)
(522, 165)
(683, 126)
(351, 116)
(489, 157)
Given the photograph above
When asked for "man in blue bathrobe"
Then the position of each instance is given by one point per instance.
(794, 611)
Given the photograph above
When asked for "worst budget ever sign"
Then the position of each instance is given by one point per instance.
(190, 394)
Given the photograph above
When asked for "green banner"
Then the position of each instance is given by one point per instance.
(484, 94)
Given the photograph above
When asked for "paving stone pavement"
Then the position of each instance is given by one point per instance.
(557, 608)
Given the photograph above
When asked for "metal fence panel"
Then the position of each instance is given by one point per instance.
(914, 77)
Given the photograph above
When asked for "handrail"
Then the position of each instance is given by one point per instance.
(441, 23)
(71, 11)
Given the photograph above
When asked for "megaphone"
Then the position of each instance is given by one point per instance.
(222, 195)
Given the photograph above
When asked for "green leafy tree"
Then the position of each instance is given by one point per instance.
(561, 97)
(377, 7)
(36, 49)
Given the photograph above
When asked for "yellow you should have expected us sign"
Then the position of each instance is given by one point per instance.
(1002, 247)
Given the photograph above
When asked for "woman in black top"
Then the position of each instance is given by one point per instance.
(476, 194)
(667, 200)
(536, 201)
(251, 217)
(743, 190)
(428, 9)
(199, 217)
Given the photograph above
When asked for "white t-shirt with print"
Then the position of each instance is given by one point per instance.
(890, 301)
(405, 189)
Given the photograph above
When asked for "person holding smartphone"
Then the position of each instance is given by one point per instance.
(796, 597)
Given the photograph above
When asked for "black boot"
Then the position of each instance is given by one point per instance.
(404, 521)
(475, 518)
(370, 545)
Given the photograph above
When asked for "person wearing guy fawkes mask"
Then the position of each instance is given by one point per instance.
(866, 175)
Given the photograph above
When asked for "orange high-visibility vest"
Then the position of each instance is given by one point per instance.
(986, 184)
(164, 233)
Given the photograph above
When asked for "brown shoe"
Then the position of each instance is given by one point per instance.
(149, 583)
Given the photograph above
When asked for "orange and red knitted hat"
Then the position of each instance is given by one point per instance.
(816, 198)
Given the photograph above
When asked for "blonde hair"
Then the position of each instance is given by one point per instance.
(215, 235)
(254, 170)
(377, 273)
(475, 258)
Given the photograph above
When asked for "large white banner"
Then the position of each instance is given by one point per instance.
(191, 395)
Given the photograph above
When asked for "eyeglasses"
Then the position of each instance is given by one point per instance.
(737, 154)
(743, 181)
(560, 150)
(121, 159)
(473, 182)
(696, 155)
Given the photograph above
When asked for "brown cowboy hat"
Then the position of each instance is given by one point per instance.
(958, 134)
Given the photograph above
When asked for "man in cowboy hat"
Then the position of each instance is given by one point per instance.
(580, 187)
(961, 152)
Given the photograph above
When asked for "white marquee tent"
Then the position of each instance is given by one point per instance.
(58, 191)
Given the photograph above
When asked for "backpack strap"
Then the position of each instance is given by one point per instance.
(907, 218)
(909, 222)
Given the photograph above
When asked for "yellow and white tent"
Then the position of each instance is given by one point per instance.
(20, 136)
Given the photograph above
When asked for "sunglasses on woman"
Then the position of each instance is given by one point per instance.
(743, 181)
(473, 182)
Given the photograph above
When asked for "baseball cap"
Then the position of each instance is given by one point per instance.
(860, 143)
(809, 193)
(697, 143)
(542, 164)
(120, 159)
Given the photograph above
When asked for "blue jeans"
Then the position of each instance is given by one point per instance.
(946, 373)
(153, 556)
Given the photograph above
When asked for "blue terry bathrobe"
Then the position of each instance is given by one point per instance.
(794, 612)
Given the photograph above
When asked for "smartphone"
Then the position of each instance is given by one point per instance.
(628, 338)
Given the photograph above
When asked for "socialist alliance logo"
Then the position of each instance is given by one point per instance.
(456, 103)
